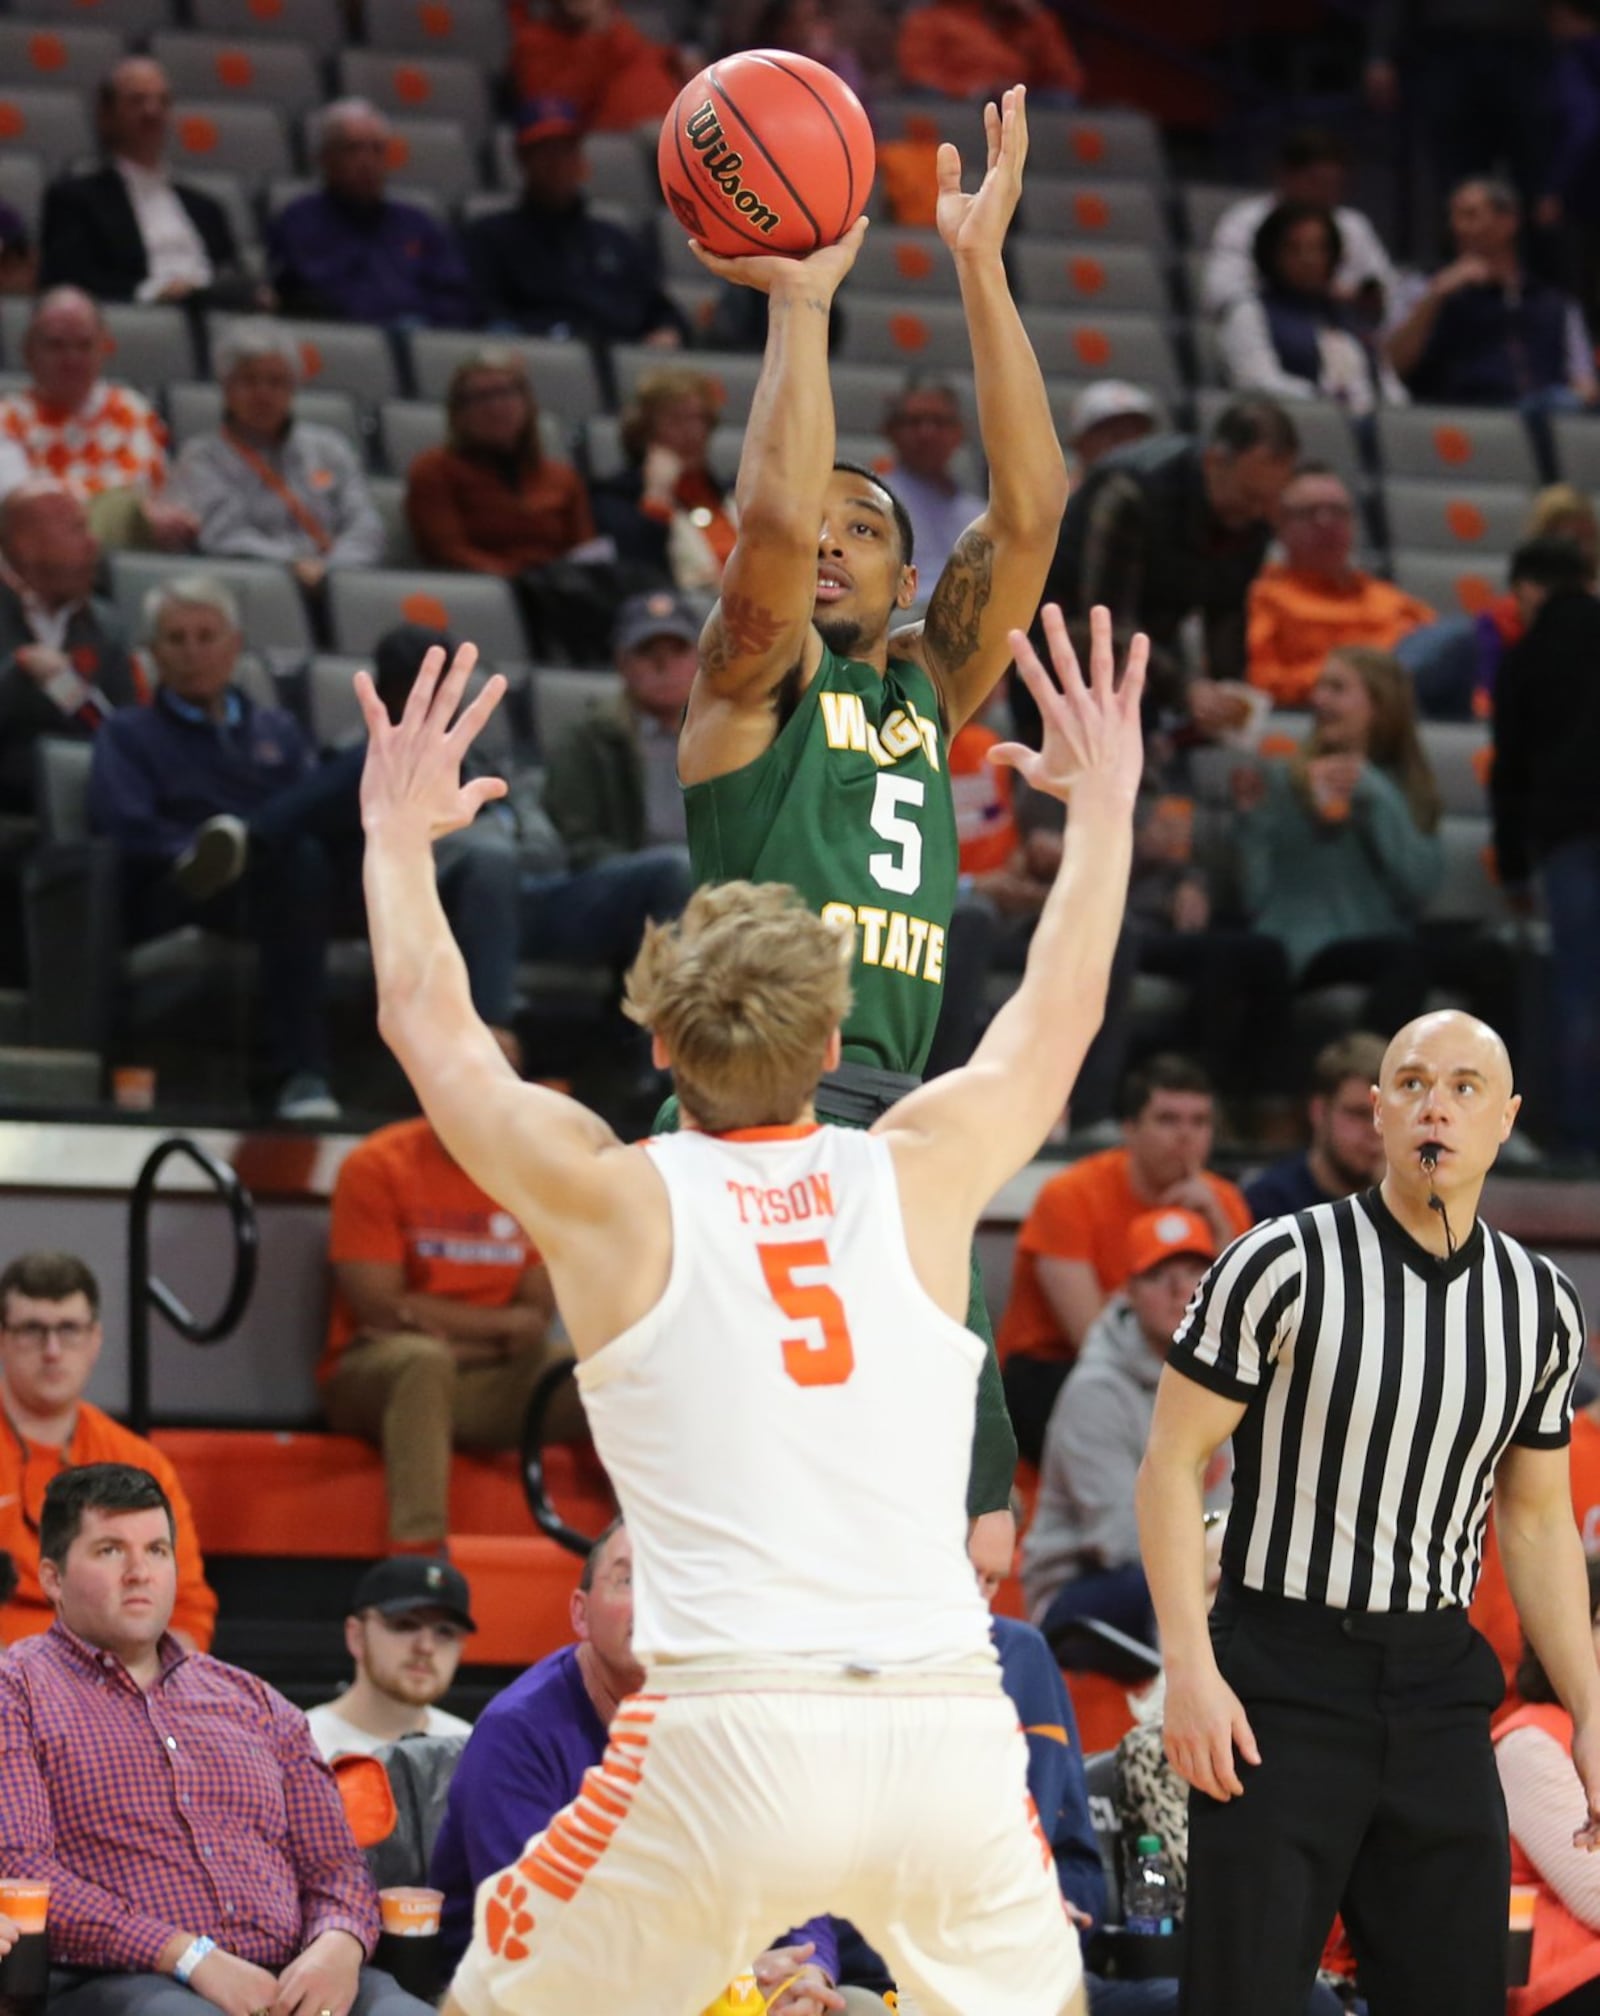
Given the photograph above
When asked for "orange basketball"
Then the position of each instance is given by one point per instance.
(766, 152)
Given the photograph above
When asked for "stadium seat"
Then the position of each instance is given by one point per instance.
(286, 189)
(316, 26)
(562, 698)
(417, 87)
(405, 428)
(1201, 206)
(734, 372)
(432, 153)
(247, 140)
(1106, 213)
(389, 501)
(935, 119)
(348, 357)
(1323, 426)
(1577, 439)
(1088, 277)
(933, 335)
(563, 371)
(911, 263)
(52, 124)
(261, 71)
(272, 611)
(197, 409)
(1210, 366)
(64, 58)
(229, 191)
(696, 301)
(1468, 891)
(1459, 754)
(363, 603)
(130, 20)
(22, 180)
(473, 28)
(1120, 144)
(1454, 587)
(1455, 444)
(1476, 519)
(151, 346)
(863, 393)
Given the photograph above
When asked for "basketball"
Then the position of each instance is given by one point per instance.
(766, 152)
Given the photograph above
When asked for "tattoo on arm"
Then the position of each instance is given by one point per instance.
(950, 631)
(749, 628)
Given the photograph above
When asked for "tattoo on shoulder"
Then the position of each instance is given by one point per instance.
(950, 630)
(749, 629)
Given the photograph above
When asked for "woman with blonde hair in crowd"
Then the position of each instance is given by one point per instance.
(667, 511)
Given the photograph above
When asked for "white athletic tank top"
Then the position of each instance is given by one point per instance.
(789, 1430)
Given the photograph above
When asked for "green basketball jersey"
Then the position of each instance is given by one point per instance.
(851, 805)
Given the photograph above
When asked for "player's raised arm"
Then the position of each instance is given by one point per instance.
(993, 579)
(957, 1139)
(530, 1148)
(761, 628)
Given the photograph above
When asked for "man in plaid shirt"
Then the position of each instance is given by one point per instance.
(193, 1839)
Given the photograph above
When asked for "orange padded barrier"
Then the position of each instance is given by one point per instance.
(1100, 1704)
(521, 1596)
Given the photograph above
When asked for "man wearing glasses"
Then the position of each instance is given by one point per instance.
(409, 1618)
(49, 1343)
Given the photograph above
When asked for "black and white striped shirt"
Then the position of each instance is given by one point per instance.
(1381, 1387)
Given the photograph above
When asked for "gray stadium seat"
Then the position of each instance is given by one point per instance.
(561, 698)
(1123, 145)
(733, 371)
(315, 25)
(259, 71)
(1103, 213)
(54, 125)
(562, 371)
(911, 263)
(407, 426)
(1473, 521)
(229, 191)
(1090, 278)
(363, 603)
(197, 409)
(1458, 752)
(1455, 444)
(271, 607)
(474, 28)
(58, 56)
(130, 20)
(151, 346)
(389, 501)
(416, 86)
(247, 140)
(348, 357)
(1577, 438)
(1467, 891)
(1323, 427)
(1453, 587)
(934, 335)
(917, 118)
(22, 180)
(1201, 206)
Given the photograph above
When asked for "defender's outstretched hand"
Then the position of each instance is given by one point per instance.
(412, 774)
(1091, 727)
(979, 223)
(822, 271)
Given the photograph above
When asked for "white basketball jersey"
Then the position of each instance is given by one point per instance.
(789, 1430)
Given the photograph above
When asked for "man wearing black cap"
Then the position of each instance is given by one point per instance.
(408, 1620)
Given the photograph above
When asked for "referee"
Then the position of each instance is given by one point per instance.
(1385, 1365)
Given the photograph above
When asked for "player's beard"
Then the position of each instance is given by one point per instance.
(841, 634)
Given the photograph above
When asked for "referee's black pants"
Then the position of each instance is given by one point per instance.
(1376, 1796)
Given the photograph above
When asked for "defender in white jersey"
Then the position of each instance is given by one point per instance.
(768, 1316)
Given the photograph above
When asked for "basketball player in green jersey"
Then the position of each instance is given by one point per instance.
(814, 747)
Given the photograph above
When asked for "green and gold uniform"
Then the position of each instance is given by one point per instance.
(851, 805)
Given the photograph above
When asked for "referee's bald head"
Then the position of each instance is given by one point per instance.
(1449, 1034)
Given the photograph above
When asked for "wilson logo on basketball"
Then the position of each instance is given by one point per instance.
(704, 132)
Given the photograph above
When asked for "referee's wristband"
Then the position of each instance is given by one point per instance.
(190, 1958)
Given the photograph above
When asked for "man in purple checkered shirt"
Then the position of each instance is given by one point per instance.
(193, 1839)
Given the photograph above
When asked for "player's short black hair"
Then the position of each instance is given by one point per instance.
(902, 517)
(1552, 564)
(1310, 147)
(94, 1487)
(1167, 1071)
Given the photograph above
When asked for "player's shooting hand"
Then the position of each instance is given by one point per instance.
(1091, 726)
(1586, 1761)
(412, 775)
(819, 275)
(978, 223)
(1204, 1723)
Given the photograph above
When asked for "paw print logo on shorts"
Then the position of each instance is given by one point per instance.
(506, 1918)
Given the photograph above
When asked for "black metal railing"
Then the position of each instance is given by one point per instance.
(146, 1292)
(535, 1489)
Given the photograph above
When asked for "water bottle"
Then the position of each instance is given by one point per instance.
(1147, 1900)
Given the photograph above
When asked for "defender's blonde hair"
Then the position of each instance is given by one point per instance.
(744, 991)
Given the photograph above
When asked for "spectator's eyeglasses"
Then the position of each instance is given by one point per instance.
(35, 1336)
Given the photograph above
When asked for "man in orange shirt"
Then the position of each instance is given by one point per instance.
(1313, 601)
(588, 51)
(976, 48)
(441, 1321)
(1072, 1251)
(50, 1340)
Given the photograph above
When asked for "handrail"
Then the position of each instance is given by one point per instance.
(144, 1290)
(545, 1516)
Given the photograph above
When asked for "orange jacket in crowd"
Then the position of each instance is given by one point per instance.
(985, 830)
(1493, 1611)
(614, 75)
(973, 49)
(1297, 619)
(27, 1467)
(464, 514)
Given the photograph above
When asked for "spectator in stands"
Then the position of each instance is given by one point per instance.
(19, 256)
(50, 1342)
(1314, 600)
(127, 231)
(589, 53)
(1533, 1754)
(269, 485)
(1108, 414)
(1310, 168)
(1072, 1252)
(925, 429)
(408, 1621)
(977, 48)
(488, 498)
(810, 28)
(352, 252)
(1295, 336)
(549, 265)
(1338, 850)
(64, 661)
(1173, 528)
(101, 440)
(1081, 1556)
(668, 513)
(221, 820)
(1563, 511)
(1572, 174)
(1455, 665)
(1547, 829)
(440, 1326)
(1346, 1150)
(1485, 331)
(222, 1866)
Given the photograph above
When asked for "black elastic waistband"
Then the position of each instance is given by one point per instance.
(855, 1095)
(1312, 1620)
